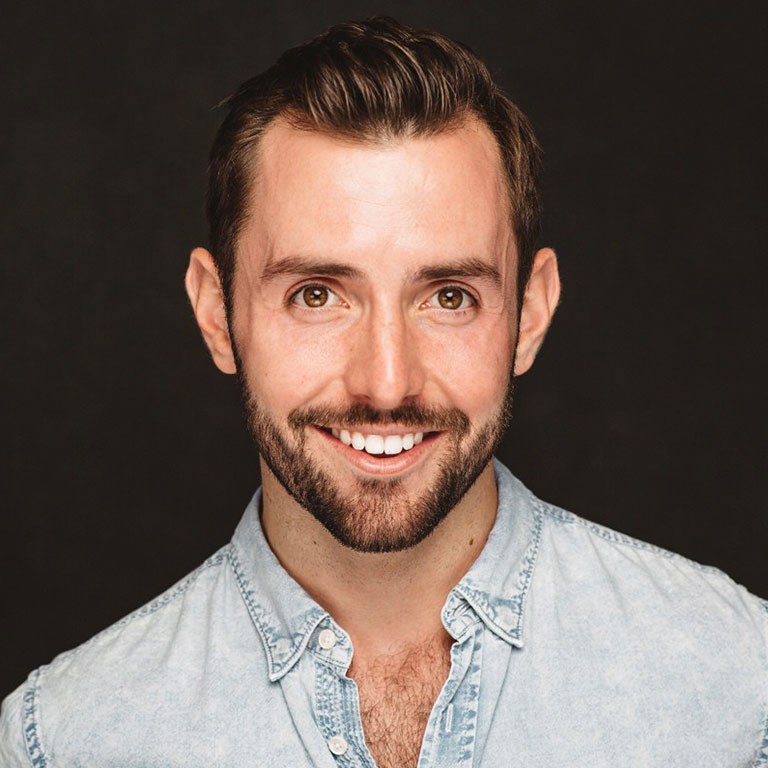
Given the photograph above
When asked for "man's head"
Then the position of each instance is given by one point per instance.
(372, 81)
(373, 213)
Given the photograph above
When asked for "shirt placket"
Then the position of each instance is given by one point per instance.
(450, 735)
(337, 709)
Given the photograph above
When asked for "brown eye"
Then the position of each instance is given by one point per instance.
(450, 298)
(315, 296)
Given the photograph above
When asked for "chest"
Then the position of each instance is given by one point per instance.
(396, 695)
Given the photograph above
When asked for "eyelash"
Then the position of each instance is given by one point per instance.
(292, 299)
(302, 288)
(467, 294)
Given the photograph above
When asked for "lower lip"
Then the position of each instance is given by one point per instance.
(382, 464)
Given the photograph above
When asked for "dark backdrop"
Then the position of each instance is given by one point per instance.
(126, 461)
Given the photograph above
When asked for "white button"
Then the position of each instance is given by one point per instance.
(326, 640)
(337, 744)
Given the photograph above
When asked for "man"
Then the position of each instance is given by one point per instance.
(392, 596)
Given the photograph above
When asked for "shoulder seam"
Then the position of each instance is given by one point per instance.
(608, 534)
(31, 699)
(164, 599)
(30, 720)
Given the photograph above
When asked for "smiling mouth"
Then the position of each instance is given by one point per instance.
(378, 445)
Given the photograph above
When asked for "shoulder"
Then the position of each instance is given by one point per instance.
(144, 631)
(17, 745)
(653, 621)
(581, 536)
(599, 556)
(631, 586)
(163, 641)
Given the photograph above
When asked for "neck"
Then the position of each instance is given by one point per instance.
(385, 601)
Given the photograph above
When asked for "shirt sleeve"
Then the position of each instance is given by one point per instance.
(13, 746)
(761, 760)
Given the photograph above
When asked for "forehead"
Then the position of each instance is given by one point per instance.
(316, 194)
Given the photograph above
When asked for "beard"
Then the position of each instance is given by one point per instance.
(377, 515)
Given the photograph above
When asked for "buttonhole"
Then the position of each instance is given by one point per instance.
(448, 718)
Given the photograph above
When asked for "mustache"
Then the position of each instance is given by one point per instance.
(417, 417)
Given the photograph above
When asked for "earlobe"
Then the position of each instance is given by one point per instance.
(542, 295)
(207, 300)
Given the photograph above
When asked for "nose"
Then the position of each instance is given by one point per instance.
(384, 367)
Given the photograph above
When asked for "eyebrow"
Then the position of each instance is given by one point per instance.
(463, 268)
(300, 265)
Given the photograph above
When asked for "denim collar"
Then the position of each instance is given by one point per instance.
(493, 590)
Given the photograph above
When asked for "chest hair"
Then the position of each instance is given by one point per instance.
(397, 693)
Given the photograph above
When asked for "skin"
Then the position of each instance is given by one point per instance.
(387, 210)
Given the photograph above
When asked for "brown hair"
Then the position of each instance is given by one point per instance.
(369, 81)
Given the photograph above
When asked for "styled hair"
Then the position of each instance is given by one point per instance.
(369, 81)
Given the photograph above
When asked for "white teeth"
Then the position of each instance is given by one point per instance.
(374, 444)
(390, 445)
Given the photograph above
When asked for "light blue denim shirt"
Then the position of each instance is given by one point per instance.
(574, 646)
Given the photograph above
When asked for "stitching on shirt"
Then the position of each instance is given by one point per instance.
(469, 629)
(324, 659)
(167, 597)
(563, 516)
(530, 564)
(761, 760)
(32, 736)
(245, 592)
(35, 752)
(257, 612)
(331, 703)
(522, 587)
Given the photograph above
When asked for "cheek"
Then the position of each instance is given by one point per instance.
(471, 364)
(290, 364)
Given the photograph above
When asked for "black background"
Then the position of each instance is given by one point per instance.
(126, 461)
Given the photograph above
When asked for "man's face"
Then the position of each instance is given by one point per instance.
(374, 302)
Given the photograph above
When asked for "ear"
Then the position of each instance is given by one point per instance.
(539, 303)
(207, 299)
